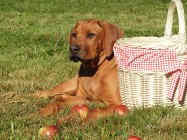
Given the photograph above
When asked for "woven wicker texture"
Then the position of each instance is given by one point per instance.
(143, 81)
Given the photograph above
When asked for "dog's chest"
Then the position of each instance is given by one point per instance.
(94, 81)
(90, 86)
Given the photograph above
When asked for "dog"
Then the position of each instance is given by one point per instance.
(90, 42)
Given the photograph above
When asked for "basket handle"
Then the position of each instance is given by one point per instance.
(168, 27)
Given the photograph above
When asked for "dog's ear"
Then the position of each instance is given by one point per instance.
(110, 34)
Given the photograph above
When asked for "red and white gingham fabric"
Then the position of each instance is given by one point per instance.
(179, 71)
(138, 59)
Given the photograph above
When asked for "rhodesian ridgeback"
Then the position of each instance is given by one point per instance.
(90, 42)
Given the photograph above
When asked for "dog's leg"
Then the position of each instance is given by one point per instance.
(66, 100)
(100, 112)
(68, 87)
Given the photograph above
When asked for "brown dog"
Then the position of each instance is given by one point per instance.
(91, 42)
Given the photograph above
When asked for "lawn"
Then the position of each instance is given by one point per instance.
(34, 56)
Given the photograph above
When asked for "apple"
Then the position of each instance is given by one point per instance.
(121, 109)
(81, 110)
(49, 131)
(134, 138)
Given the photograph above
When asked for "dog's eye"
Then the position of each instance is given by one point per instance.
(74, 35)
(91, 35)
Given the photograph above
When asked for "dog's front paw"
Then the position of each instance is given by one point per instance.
(93, 115)
(48, 110)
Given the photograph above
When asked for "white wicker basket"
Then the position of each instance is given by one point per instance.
(145, 85)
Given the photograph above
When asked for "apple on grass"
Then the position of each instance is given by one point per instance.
(80, 109)
(121, 109)
(49, 131)
(134, 138)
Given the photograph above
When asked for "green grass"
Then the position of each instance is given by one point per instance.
(34, 56)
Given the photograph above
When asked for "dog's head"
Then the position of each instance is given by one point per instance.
(91, 37)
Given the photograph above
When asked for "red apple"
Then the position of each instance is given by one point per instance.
(81, 110)
(49, 131)
(121, 109)
(134, 138)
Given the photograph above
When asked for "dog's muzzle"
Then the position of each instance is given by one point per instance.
(74, 51)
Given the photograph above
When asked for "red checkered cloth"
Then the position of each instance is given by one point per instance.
(178, 73)
(139, 59)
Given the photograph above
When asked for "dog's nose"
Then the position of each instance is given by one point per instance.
(75, 49)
